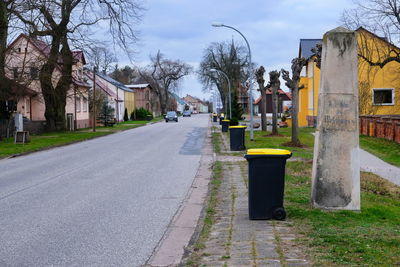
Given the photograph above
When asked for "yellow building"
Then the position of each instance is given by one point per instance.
(129, 98)
(379, 88)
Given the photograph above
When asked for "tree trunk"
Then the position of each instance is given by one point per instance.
(274, 110)
(4, 89)
(163, 103)
(55, 97)
(263, 108)
(295, 111)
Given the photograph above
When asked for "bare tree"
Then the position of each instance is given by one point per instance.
(381, 17)
(101, 58)
(164, 76)
(317, 50)
(63, 22)
(6, 12)
(274, 84)
(293, 85)
(229, 58)
(263, 104)
(125, 75)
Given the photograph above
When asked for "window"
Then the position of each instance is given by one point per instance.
(34, 73)
(147, 95)
(78, 104)
(383, 96)
(85, 103)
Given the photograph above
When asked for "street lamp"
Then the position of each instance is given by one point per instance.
(250, 73)
(229, 87)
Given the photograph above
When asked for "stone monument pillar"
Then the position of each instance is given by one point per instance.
(336, 164)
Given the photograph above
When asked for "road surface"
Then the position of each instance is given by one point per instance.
(103, 202)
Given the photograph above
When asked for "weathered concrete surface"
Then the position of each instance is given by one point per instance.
(336, 165)
(235, 240)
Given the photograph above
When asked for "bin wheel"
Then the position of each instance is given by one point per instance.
(279, 214)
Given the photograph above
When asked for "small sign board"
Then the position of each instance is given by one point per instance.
(21, 137)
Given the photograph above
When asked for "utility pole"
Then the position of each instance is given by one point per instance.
(94, 99)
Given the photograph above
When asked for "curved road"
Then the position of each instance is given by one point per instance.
(103, 202)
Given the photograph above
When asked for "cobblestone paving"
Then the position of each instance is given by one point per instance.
(237, 241)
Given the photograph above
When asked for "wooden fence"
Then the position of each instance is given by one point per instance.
(387, 127)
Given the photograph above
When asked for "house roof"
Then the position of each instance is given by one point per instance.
(45, 48)
(379, 37)
(80, 83)
(306, 45)
(114, 82)
(18, 89)
(269, 92)
(178, 99)
(102, 86)
(138, 86)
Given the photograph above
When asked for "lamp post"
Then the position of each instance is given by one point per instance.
(229, 87)
(250, 73)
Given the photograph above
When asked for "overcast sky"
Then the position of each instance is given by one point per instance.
(181, 29)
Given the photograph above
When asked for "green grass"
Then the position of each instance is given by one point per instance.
(216, 141)
(53, 139)
(386, 150)
(261, 140)
(344, 238)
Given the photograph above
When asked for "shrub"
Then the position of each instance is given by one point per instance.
(234, 121)
(126, 118)
(142, 114)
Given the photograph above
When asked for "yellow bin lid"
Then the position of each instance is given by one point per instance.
(225, 120)
(268, 151)
(236, 127)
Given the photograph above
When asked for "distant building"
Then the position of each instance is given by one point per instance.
(195, 104)
(282, 97)
(146, 98)
(125, 96)
(180, 103)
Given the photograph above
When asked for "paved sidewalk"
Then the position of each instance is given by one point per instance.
(237, 241)
(371, 163)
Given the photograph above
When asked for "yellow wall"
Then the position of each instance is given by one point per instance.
(303, 102)
(371, 77)
(129, 98)
(368, 77)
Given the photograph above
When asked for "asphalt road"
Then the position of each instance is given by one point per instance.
(103, 202)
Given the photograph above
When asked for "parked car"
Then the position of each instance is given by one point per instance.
(171, 116)
(186, 113)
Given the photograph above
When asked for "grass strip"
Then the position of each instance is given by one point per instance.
(264, 140)
(337, 238)
(386, 150)
(209, 218)
(54, 139)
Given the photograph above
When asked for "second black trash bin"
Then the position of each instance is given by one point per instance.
(266, 183)
(225, 126)
(215, 117)
(236, 136)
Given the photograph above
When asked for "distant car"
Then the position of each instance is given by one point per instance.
(186, 113)
(171, 116)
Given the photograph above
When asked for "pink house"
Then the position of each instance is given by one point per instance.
(24, 59)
